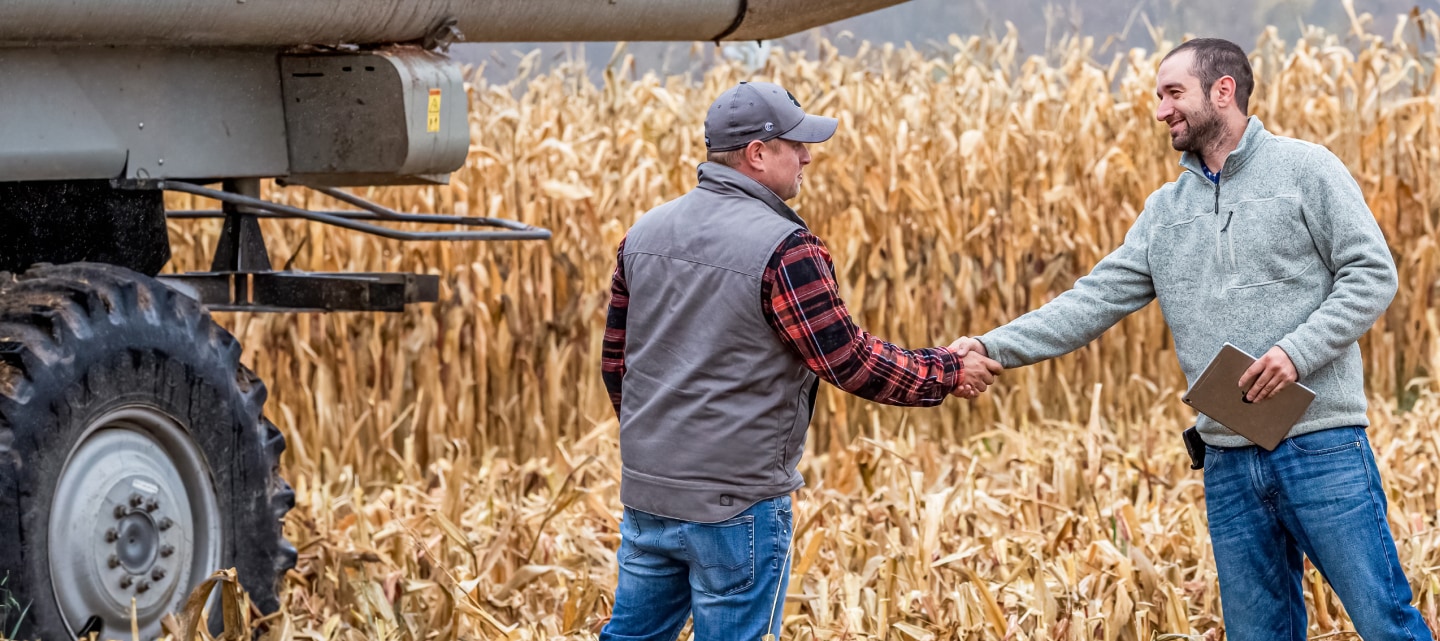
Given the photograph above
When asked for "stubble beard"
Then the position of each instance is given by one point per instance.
(790, 191)
(1201, 130)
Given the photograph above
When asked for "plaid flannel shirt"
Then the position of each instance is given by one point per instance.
(801, 301)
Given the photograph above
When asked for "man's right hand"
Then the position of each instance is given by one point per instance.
(979, 370)
(967, 344)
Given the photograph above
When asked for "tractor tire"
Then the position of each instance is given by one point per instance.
(134, 456)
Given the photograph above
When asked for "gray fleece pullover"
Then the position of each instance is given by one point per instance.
(1283, 251)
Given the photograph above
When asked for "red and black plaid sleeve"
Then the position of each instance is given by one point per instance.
(612, 350)
(802, 302)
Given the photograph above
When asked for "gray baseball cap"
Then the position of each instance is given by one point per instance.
(761, 111)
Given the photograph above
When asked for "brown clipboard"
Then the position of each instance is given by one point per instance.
(1217, 395)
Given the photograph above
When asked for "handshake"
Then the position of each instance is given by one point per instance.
(980, 370)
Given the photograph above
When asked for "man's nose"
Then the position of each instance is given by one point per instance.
(804, 156)
(1163, 111)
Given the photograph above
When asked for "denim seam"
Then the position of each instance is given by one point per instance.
(752, 560)
(1303, 632)
(777, 538)
(1384, 527)
(634, 523)
(1258, 480)
(684, 548)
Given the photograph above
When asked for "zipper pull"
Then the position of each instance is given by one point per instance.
(1227, 220)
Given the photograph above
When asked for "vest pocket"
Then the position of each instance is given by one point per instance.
(793, 444)
(722, 555)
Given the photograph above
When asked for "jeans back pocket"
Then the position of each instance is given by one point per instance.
(722, 554)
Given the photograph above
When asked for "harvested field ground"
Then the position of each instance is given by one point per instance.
(456, 466)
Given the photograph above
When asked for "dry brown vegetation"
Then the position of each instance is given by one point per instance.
(456, 466)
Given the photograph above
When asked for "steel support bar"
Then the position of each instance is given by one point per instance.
(387, 213)
(514, 230)
(434, 219)
(300, 291)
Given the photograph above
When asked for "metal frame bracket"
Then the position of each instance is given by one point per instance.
(241, 277)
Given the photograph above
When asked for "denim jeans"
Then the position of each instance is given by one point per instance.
(1317, 494)
(730, 575)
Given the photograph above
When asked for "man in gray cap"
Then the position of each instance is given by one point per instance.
(724, 315)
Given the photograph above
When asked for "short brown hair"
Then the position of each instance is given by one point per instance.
(729, 158)
(1216, 58)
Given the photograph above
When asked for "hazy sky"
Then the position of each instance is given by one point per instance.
(927, 22)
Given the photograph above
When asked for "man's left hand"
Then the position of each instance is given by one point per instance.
(1268, 374)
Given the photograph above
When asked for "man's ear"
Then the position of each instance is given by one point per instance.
(1222, 93)
(755, 154)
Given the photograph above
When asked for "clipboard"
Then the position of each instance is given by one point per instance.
(1216, 394)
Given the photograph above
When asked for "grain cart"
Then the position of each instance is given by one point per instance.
(135, 457)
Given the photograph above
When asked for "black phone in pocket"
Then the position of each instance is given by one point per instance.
(1195, 446)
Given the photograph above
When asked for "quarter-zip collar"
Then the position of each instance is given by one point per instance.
(1254, 137)
(725, 180)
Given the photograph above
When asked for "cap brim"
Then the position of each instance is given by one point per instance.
(812, 129)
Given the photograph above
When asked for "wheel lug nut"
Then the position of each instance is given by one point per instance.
(136, 499)
(125, 581)
(114, 561)
(111, 535)
(167, 550)
(151, 505)
(120, 512)
(158, 574)
(165, 523)
(142, 585)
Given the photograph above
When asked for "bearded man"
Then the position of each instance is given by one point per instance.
(1264, 242)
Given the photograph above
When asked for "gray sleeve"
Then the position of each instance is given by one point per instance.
(1118, 285)
(1354, 250)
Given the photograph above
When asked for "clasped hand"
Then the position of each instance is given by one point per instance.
(979, 369)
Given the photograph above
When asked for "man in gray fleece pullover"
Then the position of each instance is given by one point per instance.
(1264, 242)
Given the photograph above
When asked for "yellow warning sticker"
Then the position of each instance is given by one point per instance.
(432, 113)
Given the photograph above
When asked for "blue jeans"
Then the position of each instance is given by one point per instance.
(1318, 494)
(731, 575)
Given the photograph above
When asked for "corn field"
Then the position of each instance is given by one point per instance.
(457, 465)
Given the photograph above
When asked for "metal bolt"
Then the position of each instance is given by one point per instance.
(142, 125)
(162, 161)
(114, 561)
(120, 512)
(167, 550)
(136, 499)
(142, 585)
(151, 505)
(111, 535)
(125, 581)
(158, 574)
(165, 523)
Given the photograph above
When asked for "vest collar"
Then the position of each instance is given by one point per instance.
(720, 179)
